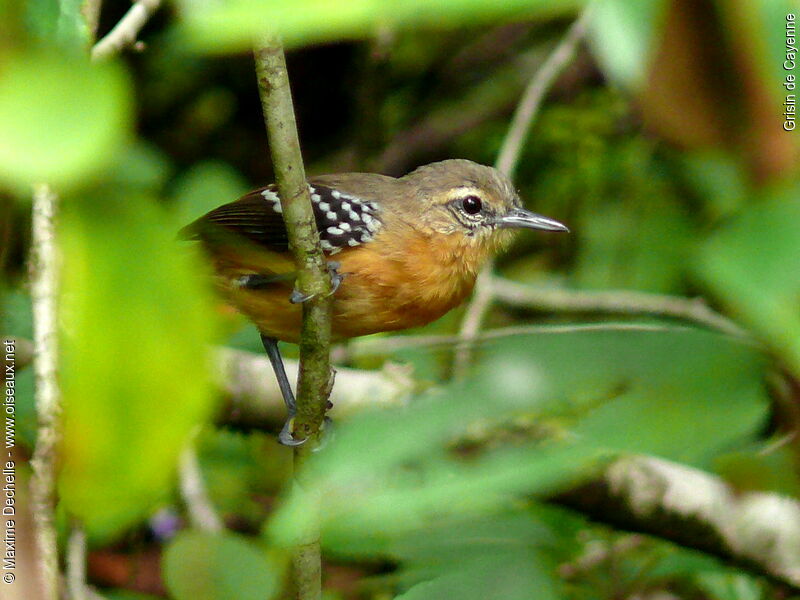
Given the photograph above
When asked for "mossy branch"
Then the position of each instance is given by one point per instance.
(314, 378)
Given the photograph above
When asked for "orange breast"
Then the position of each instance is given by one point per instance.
(387, 286)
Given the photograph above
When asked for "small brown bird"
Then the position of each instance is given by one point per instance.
(406, 250)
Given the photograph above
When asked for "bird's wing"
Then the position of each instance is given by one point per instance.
(343, 220)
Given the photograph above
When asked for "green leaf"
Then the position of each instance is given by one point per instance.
(233, 24)
(136, 370)
(58, 22)
(730, 586)
(751, 264)
(61, 119)
(623, 37)
(223, 566)
(680, 393)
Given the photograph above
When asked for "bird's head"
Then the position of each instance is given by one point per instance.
(474, 202)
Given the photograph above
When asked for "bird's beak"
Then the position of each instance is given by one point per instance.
(519, 217)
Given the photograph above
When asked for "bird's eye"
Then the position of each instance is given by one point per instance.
(472, 205)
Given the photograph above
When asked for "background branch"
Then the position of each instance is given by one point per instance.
(754, 530)
(613, 301)
(193, 491)
(253, 400)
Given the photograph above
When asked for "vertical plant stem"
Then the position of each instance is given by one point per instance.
(315, 376)
(44, 290)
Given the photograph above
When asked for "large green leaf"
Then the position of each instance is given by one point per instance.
(680, 393)
(752, 265)
(61, 119)
(136, 372)
(224, 566)
(233, 24)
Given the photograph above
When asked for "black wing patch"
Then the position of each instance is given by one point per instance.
(343, 220)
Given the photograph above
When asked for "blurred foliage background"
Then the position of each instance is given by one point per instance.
(663, 145)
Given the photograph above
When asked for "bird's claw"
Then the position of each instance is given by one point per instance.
(298, 297)
(286, 437)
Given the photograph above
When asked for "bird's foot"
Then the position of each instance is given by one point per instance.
(297, 297)
(286, 437)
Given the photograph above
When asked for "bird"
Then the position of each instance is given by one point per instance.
(402, 251)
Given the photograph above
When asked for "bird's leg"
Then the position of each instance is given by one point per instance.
(271, 346)
(298, 297)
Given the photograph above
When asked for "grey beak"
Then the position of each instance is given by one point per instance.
(519, 217)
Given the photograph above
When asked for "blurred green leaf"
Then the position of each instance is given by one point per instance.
(61, 119)
(223, 566)
(136, 374)
(623, 35)
(676, 392)
(58, 21)
(760, 468)
(233, 24)
(751, 264)
(204, 187)
(499, 556)
(730, 586)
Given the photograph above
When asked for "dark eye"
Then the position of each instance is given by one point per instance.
(472, 205)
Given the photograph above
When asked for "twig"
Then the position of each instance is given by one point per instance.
(538, 87)
(615, 301)
(44, 290)
(507, 160)
(76, 564)
(193, 491)
(315, 377)
(383, 346)
(477, 308)
(124, 33)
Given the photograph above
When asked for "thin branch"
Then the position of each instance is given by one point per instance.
(384, 346)
(76, 564)
(615, 301)
(477, 309)
(124, 33)
(524, 116)
(315, 377)
(193, 491)
(44, 291)
(535, 93)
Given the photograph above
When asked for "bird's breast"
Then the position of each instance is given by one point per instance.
(390, 286)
